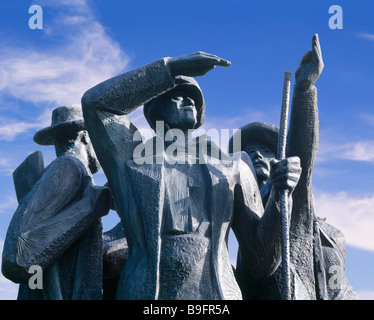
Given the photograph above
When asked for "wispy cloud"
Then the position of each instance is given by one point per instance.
(355, 151)
(10, 128)
(4, 162)
(354, 216)
(365, 295)
(368, 118)
(6, 165)
(359, 151)
(8, 204)
(59, 74)
(366, 36)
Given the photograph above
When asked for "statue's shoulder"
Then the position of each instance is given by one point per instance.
(331, 234)
(65, 172)
(65, 161)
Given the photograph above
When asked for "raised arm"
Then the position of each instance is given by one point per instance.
(303, 139)
(124, 93)
(106, 105)
(303, 132)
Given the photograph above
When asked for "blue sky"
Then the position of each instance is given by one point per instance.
(84, 42)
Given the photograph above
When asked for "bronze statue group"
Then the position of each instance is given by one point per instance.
(172, 241)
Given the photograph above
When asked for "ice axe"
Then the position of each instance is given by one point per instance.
(281, 154)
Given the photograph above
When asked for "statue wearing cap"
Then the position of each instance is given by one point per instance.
(317, 249)
(259, 140)
(57, 224)
(177, 215)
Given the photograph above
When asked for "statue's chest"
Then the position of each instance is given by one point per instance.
(186, 198)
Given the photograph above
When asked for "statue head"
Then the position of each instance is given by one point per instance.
(68, 134)
(259, 140)
(183, 107)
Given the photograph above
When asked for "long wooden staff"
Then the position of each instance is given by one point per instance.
(281, 154)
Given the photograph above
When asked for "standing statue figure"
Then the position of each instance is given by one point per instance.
(177, 214)
(57, 225)
(317, 249)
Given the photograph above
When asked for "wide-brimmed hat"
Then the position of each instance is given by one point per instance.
(257, 132)
(186, 84)
(65, 120)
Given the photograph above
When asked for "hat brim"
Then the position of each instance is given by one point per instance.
(256, 132)
(195, 94)
(47, 136)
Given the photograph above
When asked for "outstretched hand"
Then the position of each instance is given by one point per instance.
(195, 64)
(310, 67)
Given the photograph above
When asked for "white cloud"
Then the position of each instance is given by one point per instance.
(365, 295)
(8, 204)
(368, 118)
(356, 151)
(367, 36)
(5, 164)
(59, 75)
(354, 216)
(11, 128)
(359, 151)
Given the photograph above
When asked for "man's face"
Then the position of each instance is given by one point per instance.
(261, 156)
(178, 110)
(79, 145)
